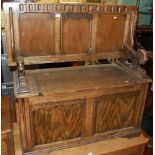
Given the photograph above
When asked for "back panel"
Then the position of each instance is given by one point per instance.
(45, 33)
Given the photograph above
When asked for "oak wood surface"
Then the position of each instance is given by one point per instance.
(51, 81)
(44, 33)
(68, 107)
(110, 32)
(6, 128)
(75, 36)
(57, 122)
(5, 113)
(49, 120)
(115, 111)
(124, 146)
(37, 34)
(17, 139)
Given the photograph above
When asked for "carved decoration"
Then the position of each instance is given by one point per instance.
(95, 8)
(22, 84)
(51, 105)
(77, 16)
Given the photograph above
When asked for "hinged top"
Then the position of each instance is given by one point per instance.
(79, 81)
(45, 33)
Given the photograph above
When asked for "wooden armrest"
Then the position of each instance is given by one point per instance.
(138, 57)
(17, 139)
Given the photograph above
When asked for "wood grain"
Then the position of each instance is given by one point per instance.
(5, 115)
(76, 79)
(6, 128)
(58, 121)
(132, 146)
(116, 146)
(89, 117)
(110, 27)
(88, 28)
(37, 34)
(17, 139)
(115, 111)
(68, 107)
(24, 120)
(75, 36)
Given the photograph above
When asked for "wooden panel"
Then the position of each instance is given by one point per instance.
(110, 32)
(36, 34)
(75, 33)
(115, 111)
(57, 121)
(78, 38)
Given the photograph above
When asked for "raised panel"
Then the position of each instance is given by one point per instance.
(75, 33)
(57, 121)
(37, 34)
(114, 112)
(110, 32)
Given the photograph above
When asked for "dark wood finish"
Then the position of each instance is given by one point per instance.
(6, 128)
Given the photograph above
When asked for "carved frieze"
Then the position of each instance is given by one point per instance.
(77, 16)
(92, 8)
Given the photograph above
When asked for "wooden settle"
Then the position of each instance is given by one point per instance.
(60, 108)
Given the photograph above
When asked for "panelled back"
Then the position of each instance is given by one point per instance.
(110, 32)
(44, 33)
(75, 33)
(37, 35)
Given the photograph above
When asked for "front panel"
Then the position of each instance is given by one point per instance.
(115, 111)
(57, 121)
